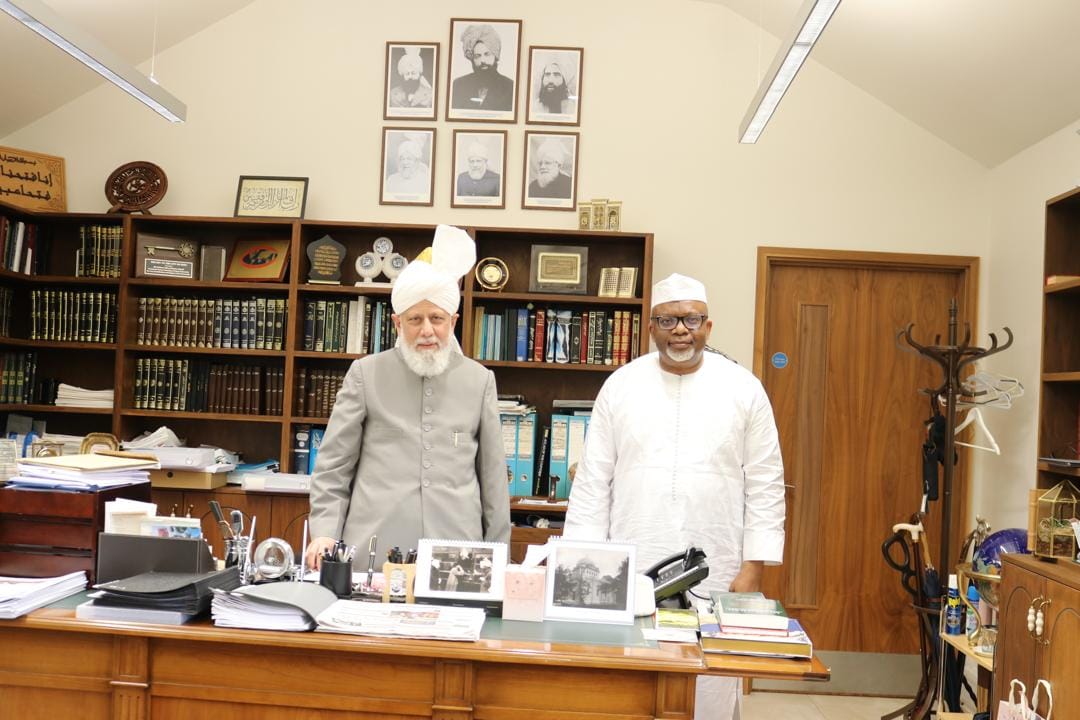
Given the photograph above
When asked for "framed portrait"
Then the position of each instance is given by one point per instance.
(277, 197)
(559, 269)
(259, 260)
(411, 91)
(549, 181)
(590, 582)
(482, 75)
(408, 155)
(479, 175)
(554, 85)
(460, 570)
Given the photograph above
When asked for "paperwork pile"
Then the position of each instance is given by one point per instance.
(19, 596)
(274, 606)
(72, 396)
(83, 472)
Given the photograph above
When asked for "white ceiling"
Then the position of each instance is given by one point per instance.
(989, 77)
(38, 78)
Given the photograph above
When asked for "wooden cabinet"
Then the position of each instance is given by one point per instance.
(1029, 585)
(164, 330)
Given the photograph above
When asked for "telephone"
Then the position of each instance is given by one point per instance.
(676, 574)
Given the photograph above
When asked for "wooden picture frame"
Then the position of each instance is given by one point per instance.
(555, 75)
(33, 181)
(408, 166)
(476, 94)
(411, 90)
(478, 178)
(258, 260)
(271, 196)
(590, 582)
(467, 570)
(549, 178)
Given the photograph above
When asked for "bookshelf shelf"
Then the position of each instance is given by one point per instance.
(1065, 286)
(130, 412)
(202, 285)
(555, 299)
(570, 367)
(231, 352)
(58, 279)
(37, 408)
(1059, 470)
(342, 290)
(57, 344)
(326, 355)
(309, 420)
(1061, 377)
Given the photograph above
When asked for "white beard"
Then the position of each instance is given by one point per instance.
(680, 355)
(426, 363)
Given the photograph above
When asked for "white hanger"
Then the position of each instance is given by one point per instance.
(990, 390)
(974, 415)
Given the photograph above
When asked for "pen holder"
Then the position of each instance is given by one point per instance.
(398, 582)
(336, 577)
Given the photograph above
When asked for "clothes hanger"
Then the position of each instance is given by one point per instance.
(975, 416)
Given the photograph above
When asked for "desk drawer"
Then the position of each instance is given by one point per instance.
(35, 564)
(45, 503)
(18, 530)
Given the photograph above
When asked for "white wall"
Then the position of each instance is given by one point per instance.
(1019, 189)
(284, 88)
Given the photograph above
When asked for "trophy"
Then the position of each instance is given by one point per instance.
(381, 259)
(324, 258)
(393, 264)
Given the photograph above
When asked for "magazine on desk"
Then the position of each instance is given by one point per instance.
(433, 622)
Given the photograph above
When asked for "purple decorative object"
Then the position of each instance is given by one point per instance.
(987, 558)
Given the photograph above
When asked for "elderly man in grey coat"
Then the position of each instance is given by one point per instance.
(414, 444)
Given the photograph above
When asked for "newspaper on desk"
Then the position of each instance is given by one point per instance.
(433, 622)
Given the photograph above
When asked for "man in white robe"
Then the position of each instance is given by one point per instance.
(682, 450)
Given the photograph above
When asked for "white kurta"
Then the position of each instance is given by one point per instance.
(677, 460)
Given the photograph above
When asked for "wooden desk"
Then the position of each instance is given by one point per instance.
(985, 677)
(54, 665)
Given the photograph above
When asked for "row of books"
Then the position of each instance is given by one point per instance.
(751, 624)
(305, 448)
(73, 315)
(361, 325)
(316, 391)
(202, 386)
(22, 247)
(18, 377)
(255, 323)
(5, 311)
(525, 334)
(99, 251)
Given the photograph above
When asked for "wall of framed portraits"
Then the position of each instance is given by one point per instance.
(362, 99)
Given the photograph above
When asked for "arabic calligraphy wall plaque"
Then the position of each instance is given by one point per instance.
(325, 256)
(32, 180)
(136, 187)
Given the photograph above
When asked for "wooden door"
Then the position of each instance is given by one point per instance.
(850, 418)
(1060, 662)
(1015, 652)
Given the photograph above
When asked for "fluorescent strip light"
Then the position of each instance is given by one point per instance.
(810, 22)
(40, 18)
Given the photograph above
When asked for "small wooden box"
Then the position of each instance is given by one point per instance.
(187, 479)
(44, 533)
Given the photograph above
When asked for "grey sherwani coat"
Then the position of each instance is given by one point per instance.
(406, 457)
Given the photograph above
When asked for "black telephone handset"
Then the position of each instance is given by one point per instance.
(678, 573)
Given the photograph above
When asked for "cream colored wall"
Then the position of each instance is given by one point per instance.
(1018, 191)
(284, 88)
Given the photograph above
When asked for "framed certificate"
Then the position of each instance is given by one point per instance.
(559, 269)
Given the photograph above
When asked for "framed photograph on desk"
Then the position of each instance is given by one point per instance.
(460, 570)
(590, 582)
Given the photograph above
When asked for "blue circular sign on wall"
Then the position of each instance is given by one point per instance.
(779, 360)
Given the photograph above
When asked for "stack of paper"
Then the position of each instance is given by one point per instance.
(435, 622)
(514, 407)
(274, 606)
(83, 472)
(187, 593)
(72, 396)
(19, 596)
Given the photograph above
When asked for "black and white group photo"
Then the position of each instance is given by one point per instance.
(456, 569)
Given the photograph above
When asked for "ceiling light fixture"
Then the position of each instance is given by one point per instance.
(80, 45)
(809, 24)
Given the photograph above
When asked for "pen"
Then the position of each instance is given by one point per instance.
(411, 557)
(371, 560)
(303, 553)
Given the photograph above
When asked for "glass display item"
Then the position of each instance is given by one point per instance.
(1054, 536)
(986, 564)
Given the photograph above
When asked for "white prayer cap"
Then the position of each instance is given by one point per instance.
(676, 288)
(453, 253)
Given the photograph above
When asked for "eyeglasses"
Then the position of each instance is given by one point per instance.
(690, 322)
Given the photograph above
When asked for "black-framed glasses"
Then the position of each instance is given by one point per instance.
(668, 322)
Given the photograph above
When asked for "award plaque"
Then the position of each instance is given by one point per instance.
(559, 269)
(381, 259)
(325, 256)
(383, 246)
(369, 266)
(492, 274)
(393, 264)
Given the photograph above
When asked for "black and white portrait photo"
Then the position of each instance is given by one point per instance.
(554, 85)
(483, 72)
(479, 169)
(411, 81)
(407, 157)
(590, 581)
(550, 175)
(460, 570)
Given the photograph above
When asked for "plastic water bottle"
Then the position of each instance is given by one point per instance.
(954, 612)
(972, 615)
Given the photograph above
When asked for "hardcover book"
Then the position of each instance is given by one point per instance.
(749, 610)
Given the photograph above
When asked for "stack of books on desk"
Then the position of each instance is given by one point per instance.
(19, 596)
(751, 624)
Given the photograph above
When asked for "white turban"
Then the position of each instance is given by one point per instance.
(453, 253)
(676, 288)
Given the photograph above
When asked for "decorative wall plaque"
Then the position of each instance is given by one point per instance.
(325, 256)
(136, 187)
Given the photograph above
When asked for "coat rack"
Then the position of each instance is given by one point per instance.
(952, 358)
